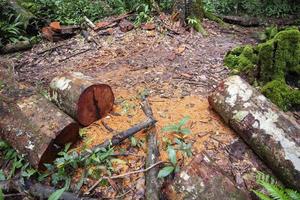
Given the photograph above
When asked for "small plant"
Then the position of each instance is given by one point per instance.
(196, 24)
(274, 190)
(178, 128)
(173, 167)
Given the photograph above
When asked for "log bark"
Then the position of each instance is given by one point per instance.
(201, 179)
(80, 97)
(19, 46)
(152, 184)
(33, 125)
(36, 128)
(36, 190)
(242, 21)
(272, 134)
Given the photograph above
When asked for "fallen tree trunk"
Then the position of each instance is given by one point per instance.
(36, 190)
(242, 21)
(36, 128)
(272, 134)
(80, 97)
(19, 46)
(201, 179)
(33, 125)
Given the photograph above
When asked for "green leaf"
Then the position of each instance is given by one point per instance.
(185, 131)
(261, 195)
(1, 195)
(183, 121)
(172, 155)
(275, 191)
(165, 171)
(57, 194)
(133, 141)
(294, 195)
(2, 176)
(170, 128)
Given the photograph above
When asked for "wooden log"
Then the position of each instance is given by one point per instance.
(80, 97)
(201, 179)
(36, 128)
(15, 47)
(36, 190)
(152, 184)
(31, 124)
(242, 21)
(272, 134)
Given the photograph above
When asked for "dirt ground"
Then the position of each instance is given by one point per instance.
(176, 71)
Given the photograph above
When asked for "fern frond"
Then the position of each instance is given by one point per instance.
(276, 192)
(261, 195)
(260, 176)
(294, 195)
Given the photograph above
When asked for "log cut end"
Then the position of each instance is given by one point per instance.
(68, 135)
(94, 103)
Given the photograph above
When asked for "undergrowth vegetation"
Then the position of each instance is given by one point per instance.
(276, 8)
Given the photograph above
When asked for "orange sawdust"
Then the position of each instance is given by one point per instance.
(203, 122)
(204, 125)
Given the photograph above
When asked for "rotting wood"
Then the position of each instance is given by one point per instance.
(202, 179)
(15, 47)
(111, 23)
(81, 97)
(272, 134)
(36, 190)
(152, 184)
(33, 125)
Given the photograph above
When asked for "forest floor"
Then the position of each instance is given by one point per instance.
(176, 71)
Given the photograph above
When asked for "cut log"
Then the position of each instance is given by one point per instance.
(201, 179)
(15, 47)
(242, 21)
(272, 134)
(36, 128)
(33, 125)
(81, 97)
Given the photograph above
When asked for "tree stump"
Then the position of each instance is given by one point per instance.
(80, 97)
(272, 134)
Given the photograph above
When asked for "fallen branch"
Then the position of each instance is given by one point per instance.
(107, 127)
(73, 55)
(36, 190)
(118, 138)
(89, 22)
(15, 47)
(152, 185)
(50, 49)
(123, 175)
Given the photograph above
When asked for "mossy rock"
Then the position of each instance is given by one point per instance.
(282, 95)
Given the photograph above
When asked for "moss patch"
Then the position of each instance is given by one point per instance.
(269, 64)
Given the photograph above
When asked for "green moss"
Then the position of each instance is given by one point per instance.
(281, 94)
(269, 64)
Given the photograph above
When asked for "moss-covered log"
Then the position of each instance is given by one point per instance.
(81, 97)
(272, 134)
(201, 179)
(274, 64)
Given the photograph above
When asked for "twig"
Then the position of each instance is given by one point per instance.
(50, 49)
(89, 22)
(75, 54)
(123, 175)
(106, 126)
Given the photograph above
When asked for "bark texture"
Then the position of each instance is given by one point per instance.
(272, 134)
(36, 128)
(201, 179)
(32, 124)
(80, 97)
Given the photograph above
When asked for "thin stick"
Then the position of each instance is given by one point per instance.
(123, 175)
(89, 22)
(75, 54)
(107, 127)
